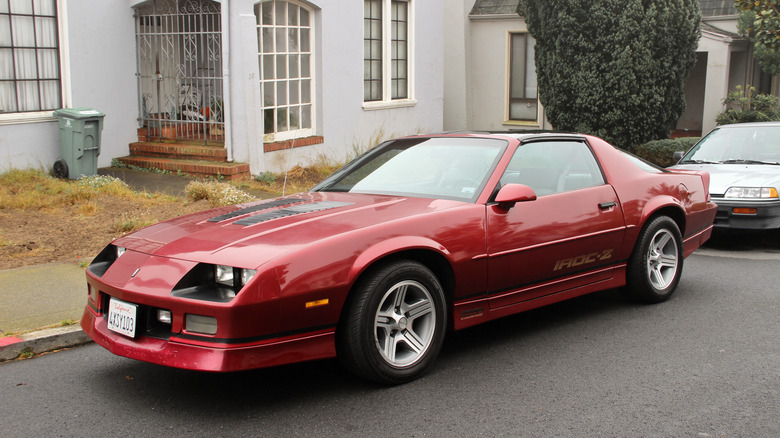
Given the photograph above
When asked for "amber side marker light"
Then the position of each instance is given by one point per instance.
(743, 210)
(317, 303)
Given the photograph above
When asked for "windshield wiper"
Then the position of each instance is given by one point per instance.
(698, 162)
(741, 161)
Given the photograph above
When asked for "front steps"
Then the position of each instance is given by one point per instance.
(185, 157)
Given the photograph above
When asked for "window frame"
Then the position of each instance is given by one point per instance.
(290, 134)
(387, 79)
(509, 76)
(63, 69)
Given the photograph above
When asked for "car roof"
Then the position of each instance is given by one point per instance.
(521, 135)
(748, 125)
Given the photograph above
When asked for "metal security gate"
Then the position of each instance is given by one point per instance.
(179, 69)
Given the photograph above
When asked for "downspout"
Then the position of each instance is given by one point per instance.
(227, 97)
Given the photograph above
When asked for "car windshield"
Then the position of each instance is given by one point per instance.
(738, 145)
(442, 167)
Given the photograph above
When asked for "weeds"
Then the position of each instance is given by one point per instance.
(36, 190)
(266, 177)
(216, 193)
(128, 224)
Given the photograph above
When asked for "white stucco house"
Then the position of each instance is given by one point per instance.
(266, 83)
(490, 75)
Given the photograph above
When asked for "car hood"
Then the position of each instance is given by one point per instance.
(723, 176)
(248, 235)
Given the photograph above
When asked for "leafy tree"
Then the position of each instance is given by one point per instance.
(614, 68)
(760, 20)
(747, 106)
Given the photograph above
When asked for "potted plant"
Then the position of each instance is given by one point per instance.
(216, 125)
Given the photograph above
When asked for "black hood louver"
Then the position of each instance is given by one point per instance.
(290, 211)
(254, 208)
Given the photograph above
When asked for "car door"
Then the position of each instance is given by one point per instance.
(568, 237)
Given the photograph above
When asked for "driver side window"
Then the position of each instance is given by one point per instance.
(551, 167)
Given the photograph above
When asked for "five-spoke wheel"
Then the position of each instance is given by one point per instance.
(405, 323)
(656, 264)
(393, 324)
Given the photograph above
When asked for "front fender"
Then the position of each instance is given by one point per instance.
(392, 246)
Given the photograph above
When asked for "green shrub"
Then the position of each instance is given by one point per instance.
(613, 68)
(747, 106)
(661, 152)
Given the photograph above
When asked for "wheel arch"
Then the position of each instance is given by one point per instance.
(432, 257)
(669, 207)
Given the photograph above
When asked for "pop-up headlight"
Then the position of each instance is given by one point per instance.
(217, 283)
(105, 259)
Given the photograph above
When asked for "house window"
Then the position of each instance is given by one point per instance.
(523, 96)
(29, 56)
(286, 68)
(386, 50)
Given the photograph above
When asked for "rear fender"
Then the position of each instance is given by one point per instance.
(666, 205)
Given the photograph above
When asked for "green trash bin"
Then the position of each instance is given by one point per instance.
(80, 130)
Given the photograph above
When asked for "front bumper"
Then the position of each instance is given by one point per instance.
(766, 217)
(178, 353)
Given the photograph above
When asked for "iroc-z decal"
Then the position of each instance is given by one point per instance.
(583, 259)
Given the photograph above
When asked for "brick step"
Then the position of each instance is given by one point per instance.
(199, 168)
(178, 150)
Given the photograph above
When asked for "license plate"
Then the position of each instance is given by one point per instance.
(122, 317)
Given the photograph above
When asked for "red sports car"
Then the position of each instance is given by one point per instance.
(416, 237)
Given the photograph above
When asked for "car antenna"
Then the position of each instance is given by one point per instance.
(287, 167)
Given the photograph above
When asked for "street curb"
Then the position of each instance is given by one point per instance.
(42, 341)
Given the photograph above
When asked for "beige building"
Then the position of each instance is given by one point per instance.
(490, 79)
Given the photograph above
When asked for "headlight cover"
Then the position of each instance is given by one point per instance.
(216, 283)
(751, 193)
(105, 259)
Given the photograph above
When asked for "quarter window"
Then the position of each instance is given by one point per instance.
(286, 68)
(29, 56)
(523, 103)
(386, 50)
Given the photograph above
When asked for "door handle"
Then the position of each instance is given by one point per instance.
(607, 205)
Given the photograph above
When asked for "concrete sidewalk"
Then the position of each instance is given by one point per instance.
(41, 296)
(45, 296)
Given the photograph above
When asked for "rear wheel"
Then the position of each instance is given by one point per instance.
(656, 265)
(393, 326)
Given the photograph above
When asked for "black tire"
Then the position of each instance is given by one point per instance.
(60, 169)
(656, 265)
(393, 325)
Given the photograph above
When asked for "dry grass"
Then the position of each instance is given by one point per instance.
(216, 193)
(298, 179)
(45, 219)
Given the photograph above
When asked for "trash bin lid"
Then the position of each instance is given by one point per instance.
(78, 113)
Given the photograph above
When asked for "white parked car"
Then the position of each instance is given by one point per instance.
(743, 161)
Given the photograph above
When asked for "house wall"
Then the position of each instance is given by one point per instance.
(489, 73)
(695, 89)
(719, 72)
(457, 50)
(348, 127)
(98, 57)
(101, 56)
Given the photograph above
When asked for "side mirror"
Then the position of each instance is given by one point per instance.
(511, 194)
(678, 155)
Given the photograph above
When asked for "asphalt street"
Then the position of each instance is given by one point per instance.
(704, 364)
